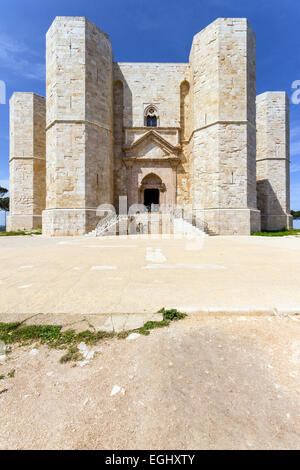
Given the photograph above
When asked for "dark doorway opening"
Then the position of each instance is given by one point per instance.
(151, 196)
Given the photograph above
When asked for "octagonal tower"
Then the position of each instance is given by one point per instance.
(223, 140)
(79, 125)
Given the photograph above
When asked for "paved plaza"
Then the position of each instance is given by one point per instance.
(110, 278)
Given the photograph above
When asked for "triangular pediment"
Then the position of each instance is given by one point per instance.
(151, 145)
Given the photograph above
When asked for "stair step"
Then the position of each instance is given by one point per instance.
(180, 225)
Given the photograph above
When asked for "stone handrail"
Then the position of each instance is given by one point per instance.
(109, 222)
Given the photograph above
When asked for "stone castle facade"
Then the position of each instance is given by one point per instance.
(192, 134)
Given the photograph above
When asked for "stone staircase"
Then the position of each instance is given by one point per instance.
(106, 224)
(145, 224)
(183, 227)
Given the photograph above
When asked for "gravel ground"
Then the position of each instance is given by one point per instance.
(202, 383)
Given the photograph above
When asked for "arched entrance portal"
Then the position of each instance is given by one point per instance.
(150, 189)
(151, 196)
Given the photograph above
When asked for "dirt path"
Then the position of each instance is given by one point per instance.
(215, 383)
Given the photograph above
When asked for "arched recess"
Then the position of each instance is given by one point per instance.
(184, 109)
(118, 97)
(151, 180)
(119, 181)
(151, 189)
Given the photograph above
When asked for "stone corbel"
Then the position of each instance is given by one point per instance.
(174, 162)
(128, 161)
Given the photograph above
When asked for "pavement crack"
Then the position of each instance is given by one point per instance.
(29, 318)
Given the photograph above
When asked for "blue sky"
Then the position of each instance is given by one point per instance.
(151, 31)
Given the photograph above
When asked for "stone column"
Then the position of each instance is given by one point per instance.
(223, 168)
(79, 126)
(273, 160)
(27, 162)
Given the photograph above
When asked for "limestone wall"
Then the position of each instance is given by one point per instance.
(273, 160)
(142, 84)
(151, 83)
(120, 178)
(184, 168)
(27, 161)
(223, 171)
(79, 125)
(205, 153)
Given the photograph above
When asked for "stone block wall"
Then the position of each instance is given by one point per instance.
(203, 150)
(119, 171)
(137, 85)
(223, 167)
(79, 125)
(151, 83)
(27, 161)
(273, 160)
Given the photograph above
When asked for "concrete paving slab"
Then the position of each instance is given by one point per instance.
(257, 275)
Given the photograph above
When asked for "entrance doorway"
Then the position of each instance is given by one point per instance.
(151, 196)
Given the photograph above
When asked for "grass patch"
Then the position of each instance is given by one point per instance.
(16, 333)
(168, 316)
(172, 314)
(52, 335)
(20, 232)
(272, 233)
(72, 355)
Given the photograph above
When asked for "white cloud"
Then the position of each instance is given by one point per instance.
(295, 196)
(295, 139)
(11, 45)
(295, 167)
(295, 131)
(18, 58)
(295, 148)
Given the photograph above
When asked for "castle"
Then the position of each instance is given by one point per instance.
(191, 134)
